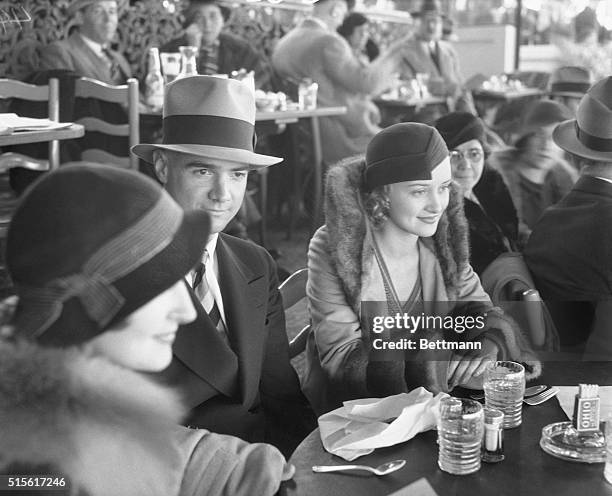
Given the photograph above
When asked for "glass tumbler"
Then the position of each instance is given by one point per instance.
(504, 388)
(460, 430)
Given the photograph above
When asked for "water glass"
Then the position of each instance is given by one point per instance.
(171, 65)
(504, 388)
(460, 431)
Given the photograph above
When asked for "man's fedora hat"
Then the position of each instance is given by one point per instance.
(77, 5)
(429, 7)
(211, 117)
(589, 135)
(571, 81)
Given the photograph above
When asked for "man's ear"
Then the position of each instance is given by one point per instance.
(160, 164)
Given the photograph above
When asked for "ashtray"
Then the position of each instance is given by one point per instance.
(563, 441)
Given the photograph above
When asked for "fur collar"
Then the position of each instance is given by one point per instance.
(350, 233)
(101, 425)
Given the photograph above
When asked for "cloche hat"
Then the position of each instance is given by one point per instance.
(89, 245)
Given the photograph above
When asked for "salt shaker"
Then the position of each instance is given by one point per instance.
(493, 437)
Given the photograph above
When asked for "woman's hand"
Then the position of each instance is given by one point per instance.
(288, 472)
(466, 368)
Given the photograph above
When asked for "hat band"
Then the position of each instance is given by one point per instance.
(209, 130)
(574, 87)
(118, 257)
(593, 142)
(395, 170)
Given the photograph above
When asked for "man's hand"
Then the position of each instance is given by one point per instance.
(466, 368)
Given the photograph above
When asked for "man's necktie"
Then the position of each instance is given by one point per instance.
(204, 294)
(208, 63)
(433, 53)
(115, 71)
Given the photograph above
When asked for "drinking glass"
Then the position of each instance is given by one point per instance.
(171, 65)
(188, 61)
(504, 388)
(460, 431)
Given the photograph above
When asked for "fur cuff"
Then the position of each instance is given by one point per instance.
(505, 332)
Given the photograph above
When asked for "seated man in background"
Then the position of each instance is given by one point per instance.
(232, 363)
(428, 54)
(568, 252)
(219, 53)
(87, 51)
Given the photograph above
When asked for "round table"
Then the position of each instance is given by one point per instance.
(527, 470)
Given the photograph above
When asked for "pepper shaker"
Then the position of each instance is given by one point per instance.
(493, 437)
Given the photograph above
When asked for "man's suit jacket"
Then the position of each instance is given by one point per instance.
(73, 54)
(312, 51)
(417, 59)
(251, 390)
(568, 254)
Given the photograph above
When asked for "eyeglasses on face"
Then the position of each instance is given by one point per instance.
(472, 155)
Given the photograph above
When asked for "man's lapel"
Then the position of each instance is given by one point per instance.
(199, 346)
(244, 293)
(91, 63)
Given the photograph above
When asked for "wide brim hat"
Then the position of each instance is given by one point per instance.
(589, 135)
(89, 245)
(210, 117)
(77, 5)
(429, 7)
(572, 81)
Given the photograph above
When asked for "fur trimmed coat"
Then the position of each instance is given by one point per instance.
(110, 431)
(341, 266)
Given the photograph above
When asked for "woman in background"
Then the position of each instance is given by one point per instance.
(535, 170)
(489, 209)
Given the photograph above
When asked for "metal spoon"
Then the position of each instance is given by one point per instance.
(384, 469)
(530, 391)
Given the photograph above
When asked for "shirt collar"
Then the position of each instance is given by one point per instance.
(94, 45)
(211, 246)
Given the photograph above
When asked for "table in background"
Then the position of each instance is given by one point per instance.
(527, 469)
(279, 119)
(25, 137)
(394, 111)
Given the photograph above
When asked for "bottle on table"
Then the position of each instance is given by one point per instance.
(154, 82)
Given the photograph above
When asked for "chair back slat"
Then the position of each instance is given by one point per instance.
(98, 125)
(103, 157)
(293, 289)
(125, 95)
(92, 88)
(10, 88)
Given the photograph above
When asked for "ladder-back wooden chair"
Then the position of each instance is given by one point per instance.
(125, 95)
(10, 88)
